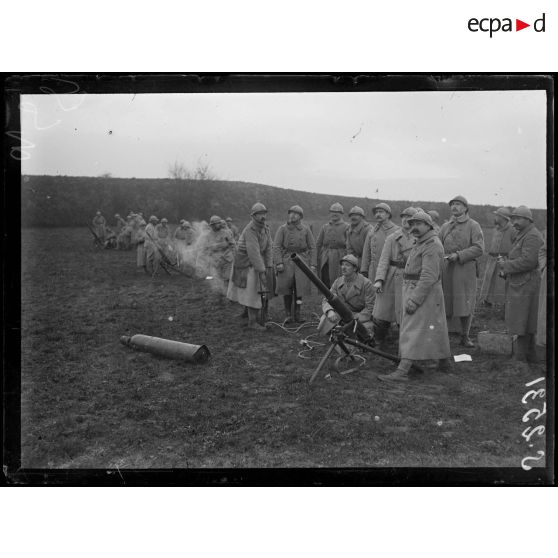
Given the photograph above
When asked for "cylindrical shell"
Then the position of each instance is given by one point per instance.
(167, 348)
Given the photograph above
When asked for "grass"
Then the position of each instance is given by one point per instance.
(88, 401)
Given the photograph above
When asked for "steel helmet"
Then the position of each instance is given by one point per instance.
(117, 214)
(215, 219)
(383, 206)
(164, 220)
(258, 208)
(98, 212)
(461, 199)
(356, 210)
(186, 224)
(228, 219)
(296, 209)
(522, 211)
(424, 217)
(349, 258)
(408, 212)
(434, 214)
(152, 219)
(503, 212)
(336, 208)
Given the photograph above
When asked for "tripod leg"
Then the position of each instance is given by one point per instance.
(322, 362)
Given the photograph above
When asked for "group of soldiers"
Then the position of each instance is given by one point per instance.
(418, 275)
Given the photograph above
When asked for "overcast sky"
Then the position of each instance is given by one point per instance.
(488, 146)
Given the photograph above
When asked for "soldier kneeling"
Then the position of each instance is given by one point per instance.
(355, 290)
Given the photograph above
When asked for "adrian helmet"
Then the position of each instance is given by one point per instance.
(356, 210)
(336, 208)
(258, 207)
(296, 209)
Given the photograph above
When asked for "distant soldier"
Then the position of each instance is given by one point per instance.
(252, 258)
(355, 290)
(217, 250)
(463, 243)
(233, 228)
(424, 332)
(119, 224)
(435, 216)
(141, 260)
(99, 224)
(493, 286)
(184, 238)
(523, 282)
(163, 238)
(292, 284)
(356, 233)
(388, 282)
(110, 238)
(541, 317)
(331, 245)
(375, 239)
(152, 256)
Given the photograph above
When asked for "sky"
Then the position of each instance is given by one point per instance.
(487, 145)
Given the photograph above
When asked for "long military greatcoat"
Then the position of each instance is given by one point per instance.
(390, 270)
(99, 224)
(424, 334)
(373, 246)
(541, 316)
(493, 286)
(356, 237)
(523, 281)
(331, 246)
(252, 257)
(292, 238)
(459, 279)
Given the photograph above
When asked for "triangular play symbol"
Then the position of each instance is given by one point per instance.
(519, 25)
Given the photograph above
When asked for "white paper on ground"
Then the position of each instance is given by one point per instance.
(462, 358)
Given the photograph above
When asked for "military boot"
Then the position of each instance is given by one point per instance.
(398, 375)
(244, 313)
(253, 320)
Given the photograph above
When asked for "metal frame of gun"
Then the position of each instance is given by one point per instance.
(349, 331)
(165, 263)
(98, 242)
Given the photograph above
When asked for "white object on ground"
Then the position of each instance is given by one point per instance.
(462, 358)
(171, 318)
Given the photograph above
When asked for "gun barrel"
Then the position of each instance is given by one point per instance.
(336, 303)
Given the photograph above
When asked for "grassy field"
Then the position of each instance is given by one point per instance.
(88, 401)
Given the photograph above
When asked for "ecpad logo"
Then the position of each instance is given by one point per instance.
(494, 24)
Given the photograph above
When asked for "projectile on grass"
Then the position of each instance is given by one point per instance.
(167, 348)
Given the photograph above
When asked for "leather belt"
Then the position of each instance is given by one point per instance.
(399, 264)
(411, 276)
(496, 254)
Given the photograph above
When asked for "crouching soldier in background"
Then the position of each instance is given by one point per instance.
(355, 290)
(251, 260)
(388, 282)
(110, 239)
(293, 237)
(523, 280)
(424, 332)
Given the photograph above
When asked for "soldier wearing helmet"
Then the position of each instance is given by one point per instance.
(541, 316)
(253, 257)
(292, 284)
(164, 242)
(233, 228)
(331, 245)
(184, 237)
(355, 290)
(357, 231)
(119, 224)
(375, 239)
(423, 334)
(523, 282)
(463, 243)
(217, 252)
(435, 216)
(99, 224)
(493, 286)
(388, 282)
(152, 255)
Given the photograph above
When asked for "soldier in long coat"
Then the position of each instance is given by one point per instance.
(293, 237)
(254, 254)
(331, 245)
(164, 241)
(375, 240)
(99, 224)
(119, 223)
(424, 332)
(184, 237)
(217, 250)
(233, 228)
(388, 282)
(356, 233)
(463, 243)
(522, 282)
(152, 255)
(541, 316)
(355, 290)
(493, 290)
